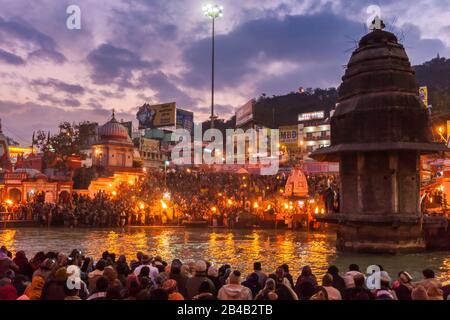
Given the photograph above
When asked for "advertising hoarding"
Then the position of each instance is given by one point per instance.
(156, 116)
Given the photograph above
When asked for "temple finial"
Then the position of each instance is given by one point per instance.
(113, 114)
(377, 24)
(0, 125)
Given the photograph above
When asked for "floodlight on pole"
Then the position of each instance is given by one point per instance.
(213, 12)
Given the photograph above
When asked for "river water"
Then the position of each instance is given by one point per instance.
(240, 248)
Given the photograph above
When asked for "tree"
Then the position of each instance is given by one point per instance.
(59, 147)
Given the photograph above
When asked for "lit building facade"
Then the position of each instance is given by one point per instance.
(314, 131)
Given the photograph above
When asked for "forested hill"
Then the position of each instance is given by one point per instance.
(435, 74)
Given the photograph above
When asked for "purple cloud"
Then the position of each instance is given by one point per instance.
(10, 58)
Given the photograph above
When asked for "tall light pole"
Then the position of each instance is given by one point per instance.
(213, 12)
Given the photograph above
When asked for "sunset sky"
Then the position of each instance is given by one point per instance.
(129, 52)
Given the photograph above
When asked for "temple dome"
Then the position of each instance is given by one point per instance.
(113, 130)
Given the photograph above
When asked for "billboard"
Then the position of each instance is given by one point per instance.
(289, 136)
(156, 116)
(317, 115)
(185, 120)
(245, 113)
(423, 94)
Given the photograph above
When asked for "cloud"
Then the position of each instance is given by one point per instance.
(17, 30)
(10, 58)
(59, 86)
(165, 89)
(302, 39)
(110, 63)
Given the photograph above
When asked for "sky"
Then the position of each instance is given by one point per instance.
(131, 52)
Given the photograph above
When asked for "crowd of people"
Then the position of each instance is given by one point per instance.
(175, 196)
(57, 276)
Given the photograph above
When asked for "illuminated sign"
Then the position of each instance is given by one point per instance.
(311, 116)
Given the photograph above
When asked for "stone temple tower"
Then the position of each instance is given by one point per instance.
(378, 132)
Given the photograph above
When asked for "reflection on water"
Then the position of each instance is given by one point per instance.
(240, 248)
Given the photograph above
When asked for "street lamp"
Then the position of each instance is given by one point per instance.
(213, 12)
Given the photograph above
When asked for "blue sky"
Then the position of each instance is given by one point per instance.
(133, 51)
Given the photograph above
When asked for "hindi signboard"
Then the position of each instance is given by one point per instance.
(156, 116)
(423, 94)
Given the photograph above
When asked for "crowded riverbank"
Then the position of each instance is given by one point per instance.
(58, 275)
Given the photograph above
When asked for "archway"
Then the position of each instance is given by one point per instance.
(15, 195)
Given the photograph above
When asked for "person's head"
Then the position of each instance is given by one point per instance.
(145, 272)
(428, 274)
(353, 267)
(140, 256)
(101, 284)
(100, 265)
(110, 274)
(170, 286)
(175, 267)
(105, 255)
(359, 280)
(200, 267)
(159, 294)
(404, 277)
(327, 280)
(212, 272)
(333, 270)
(270, 284)
(133, 286)
(285, 267)
(306, 271)
(253, 278)
(234, 277)
(257, 266)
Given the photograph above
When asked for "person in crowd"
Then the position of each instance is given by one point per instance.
(385, 292)
(23, 264)
(332, 292)
(268, 292)
(96, 274)
(6, 264)
(34, 290)
(101, 286)
(357, 290)
(429, 280)
(403, 286)
(419, 293)
(306, 284)
(287, 275)
(54, 289)
(213, 275)
(193, 284)
(233, 290)
(252, 282)
(152, 271)
(262, 277)
(283, 287)
(205, 292)
(338, 281)
(170, 286)
(178, 276)
(353, 270)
